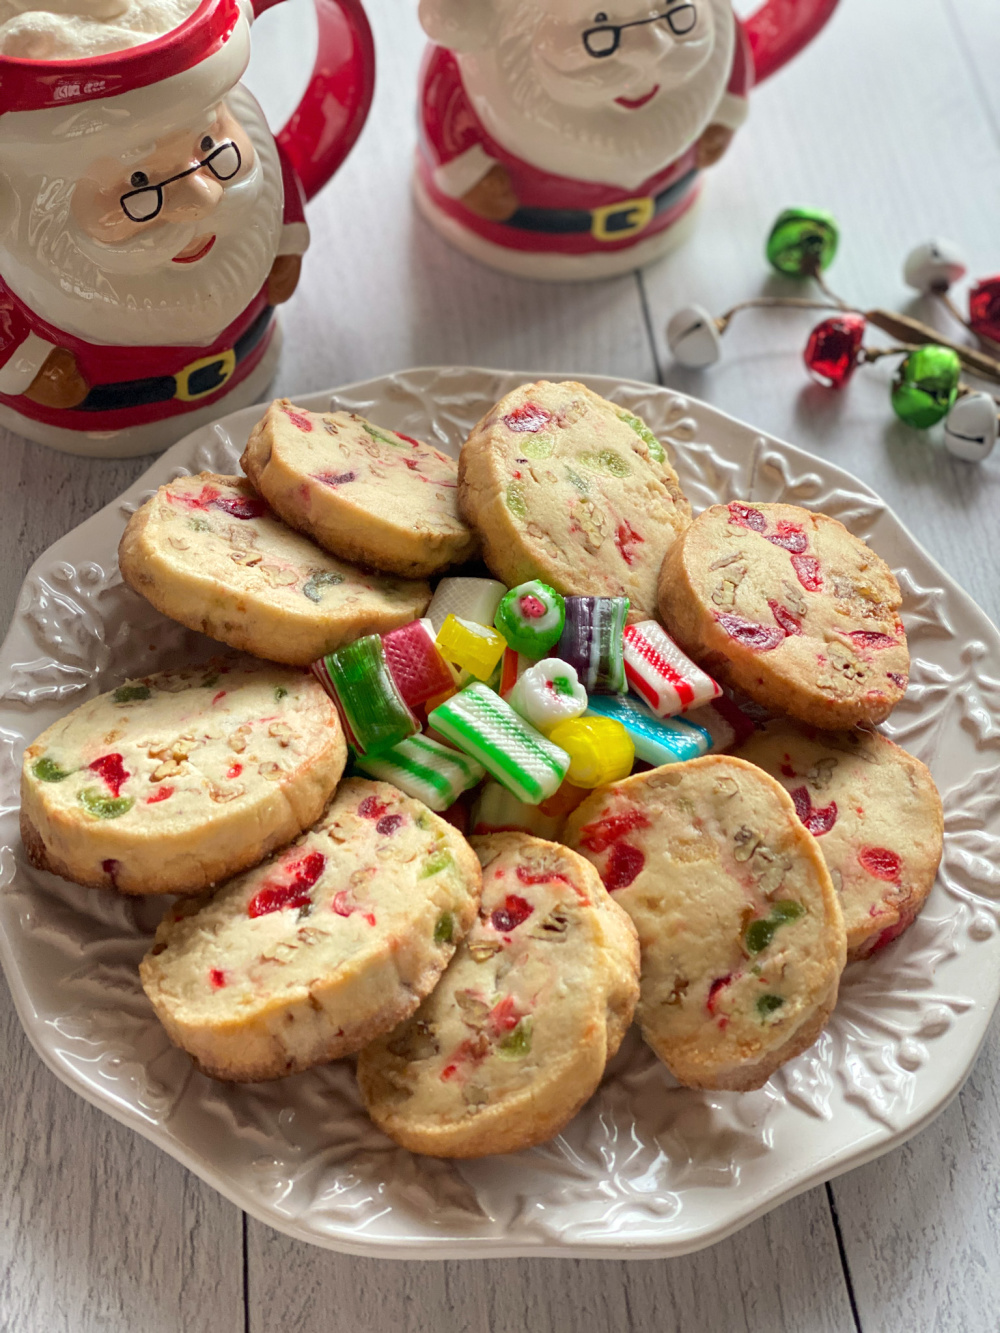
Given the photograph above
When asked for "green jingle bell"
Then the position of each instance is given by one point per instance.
(926, 385)
(803, 242)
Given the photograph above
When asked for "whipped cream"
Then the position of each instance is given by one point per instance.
(75, 29)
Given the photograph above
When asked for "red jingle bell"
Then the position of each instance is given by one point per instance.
(831, 354)
(984, 308)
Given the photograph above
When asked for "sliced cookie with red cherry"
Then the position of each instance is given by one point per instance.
(564, 486)
(876, 813)
(362, 491)
(792, 609)
(740, 927)
(178, 780)
(535, 1002)
(210, 553)
(318, 951)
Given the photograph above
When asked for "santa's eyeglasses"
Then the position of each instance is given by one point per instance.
(605, 38)
(144, 203)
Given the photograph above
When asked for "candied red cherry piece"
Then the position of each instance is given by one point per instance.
(832, 352)
(509, 916)
(624, 865)
(528, 417)
(112, 769)
(241, 506)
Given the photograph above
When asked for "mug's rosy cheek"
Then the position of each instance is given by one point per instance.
(98, 212)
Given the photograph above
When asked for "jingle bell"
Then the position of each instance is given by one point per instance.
(693, 338)
(831, 354)
(933, 267)
(926, 385)
(802, 242)
(970, 428)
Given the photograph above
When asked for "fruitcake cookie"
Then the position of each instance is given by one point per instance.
(331, 943)
(533, 1005)
(174, 781)
(565, 487)
(363, 492)
(740, 928)
(208, 552)
(789, 607)
(876, 814)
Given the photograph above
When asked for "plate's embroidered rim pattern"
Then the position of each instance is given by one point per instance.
(647, 1168)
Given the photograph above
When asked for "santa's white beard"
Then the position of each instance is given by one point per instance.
(604, 144)
(134, 295)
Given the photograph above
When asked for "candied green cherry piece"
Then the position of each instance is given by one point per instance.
(516, 1044)
(606, 461)
(47, 770)
(444, 928)
(768, 1004)
(759, 934)
(926, 385)
(802, 242)
(104, 807)
(211, 679)
(786, 909)
(642, 430)
(316, 585)
(435, 863)
(516, 502)
(537, 446)
(127, 694)
(279, 693)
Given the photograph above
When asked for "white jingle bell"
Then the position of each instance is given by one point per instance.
(933, 267)
(970, 428)
(693, 338)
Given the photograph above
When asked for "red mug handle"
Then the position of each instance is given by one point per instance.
(780, 29)
(323, 127)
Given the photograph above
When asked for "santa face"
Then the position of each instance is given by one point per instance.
(605, 90)
(181, 181)
(621, 53)
(160, 243)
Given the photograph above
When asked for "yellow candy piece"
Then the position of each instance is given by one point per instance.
(471, 647)
(600, 750)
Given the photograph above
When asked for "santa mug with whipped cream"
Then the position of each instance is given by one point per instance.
(565, 139)
(149, 221)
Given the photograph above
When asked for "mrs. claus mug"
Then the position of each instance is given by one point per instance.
(149, 221)
(565, 138)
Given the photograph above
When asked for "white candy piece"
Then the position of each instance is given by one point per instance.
(933, 267)
(468, 599)
(970, 428)
(693, 338)
(548, 693)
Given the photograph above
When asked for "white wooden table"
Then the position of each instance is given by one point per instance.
(892, 121)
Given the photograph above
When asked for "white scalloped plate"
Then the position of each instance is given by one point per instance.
(647, 1168)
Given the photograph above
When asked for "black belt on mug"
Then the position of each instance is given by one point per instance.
(612, 222)
(197, 380)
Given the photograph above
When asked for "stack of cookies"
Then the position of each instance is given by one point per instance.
(658, 731)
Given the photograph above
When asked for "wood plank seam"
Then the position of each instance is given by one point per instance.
(961, 41)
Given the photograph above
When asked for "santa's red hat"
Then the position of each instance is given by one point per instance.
(125, 95)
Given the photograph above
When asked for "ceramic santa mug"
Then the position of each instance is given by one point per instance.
(565, 139)
(150, 223)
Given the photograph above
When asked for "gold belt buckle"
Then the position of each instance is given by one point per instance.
(226, 361)
(635, 214)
